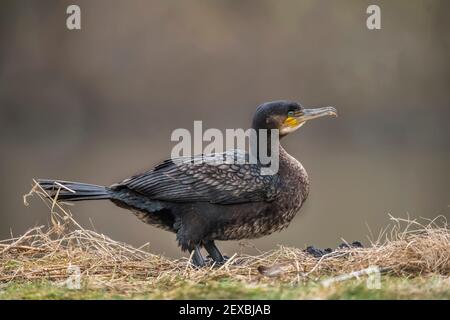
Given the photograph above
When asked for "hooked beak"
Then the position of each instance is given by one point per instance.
(294, 122)
(309, 114)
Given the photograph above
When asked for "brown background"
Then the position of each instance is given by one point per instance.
(98, 105)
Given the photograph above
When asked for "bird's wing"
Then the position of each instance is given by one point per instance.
(205, 179)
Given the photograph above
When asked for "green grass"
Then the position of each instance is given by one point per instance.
(391, 288)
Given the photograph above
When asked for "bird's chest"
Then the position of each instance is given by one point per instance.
(293, 189)
(254, 221)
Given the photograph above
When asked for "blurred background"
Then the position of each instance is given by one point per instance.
(99, 104)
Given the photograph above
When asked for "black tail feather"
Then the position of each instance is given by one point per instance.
(73, 191)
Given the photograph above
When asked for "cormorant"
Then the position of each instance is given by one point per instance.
(201, 201)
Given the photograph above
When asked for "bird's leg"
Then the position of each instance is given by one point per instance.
(197, 258)
(213, 251)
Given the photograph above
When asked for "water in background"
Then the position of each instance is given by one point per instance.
(98, 105)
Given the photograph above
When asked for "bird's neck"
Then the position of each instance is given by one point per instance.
(267, 145)
(259, 144)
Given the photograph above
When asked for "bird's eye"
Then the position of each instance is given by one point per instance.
(291, 113)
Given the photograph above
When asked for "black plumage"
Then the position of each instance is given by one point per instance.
(203, 199)
(205, 179)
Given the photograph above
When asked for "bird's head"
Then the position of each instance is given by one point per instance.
(286, 116)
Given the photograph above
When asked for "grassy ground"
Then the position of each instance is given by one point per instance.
(391, 288)
(413, 257)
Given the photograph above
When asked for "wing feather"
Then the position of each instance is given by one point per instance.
(205, 179)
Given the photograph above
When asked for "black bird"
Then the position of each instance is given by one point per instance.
(203, 201)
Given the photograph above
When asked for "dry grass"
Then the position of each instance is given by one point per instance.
(406, 248)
